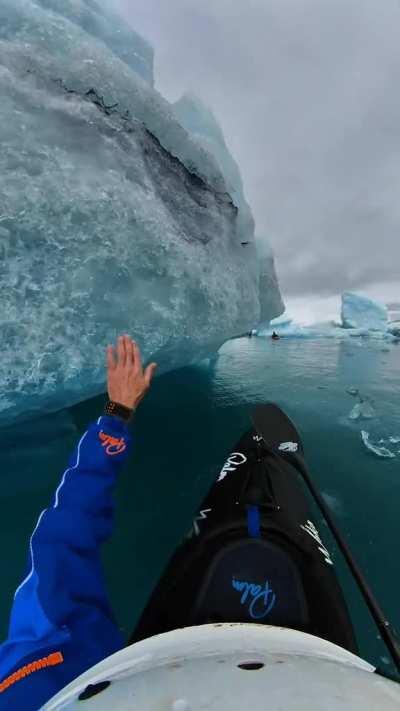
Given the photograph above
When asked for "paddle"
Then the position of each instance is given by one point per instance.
(269, 421)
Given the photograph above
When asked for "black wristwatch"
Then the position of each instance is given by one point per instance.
(115, 408)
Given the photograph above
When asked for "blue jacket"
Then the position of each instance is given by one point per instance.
(61, 621)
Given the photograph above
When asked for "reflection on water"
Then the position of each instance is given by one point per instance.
(183, 431)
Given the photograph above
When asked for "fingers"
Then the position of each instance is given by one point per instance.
(149, 373)
(111, 364)
(121, 350)
(137, 358)
(130, 354)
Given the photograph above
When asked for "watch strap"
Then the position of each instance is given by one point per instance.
(115, 408)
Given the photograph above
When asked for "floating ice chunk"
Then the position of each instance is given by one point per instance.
(361, 312)
(362, 411)
(394, 328)
(352, 391)
(380, 451)
(394, 440)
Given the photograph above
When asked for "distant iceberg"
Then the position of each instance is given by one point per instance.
(361, 312)
(361, 316)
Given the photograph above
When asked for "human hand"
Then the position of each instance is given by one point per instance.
(127, 382)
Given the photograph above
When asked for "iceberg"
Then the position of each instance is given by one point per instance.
(114, 216)
(271, 302)
(99, 21)
(201, 123)
(360, 317)
(361, 312)
(199, 120)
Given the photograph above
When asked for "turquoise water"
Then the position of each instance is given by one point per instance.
(184, 429)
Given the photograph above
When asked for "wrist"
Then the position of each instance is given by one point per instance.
(116, 409)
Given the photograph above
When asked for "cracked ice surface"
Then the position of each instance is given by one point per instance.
(113, 217)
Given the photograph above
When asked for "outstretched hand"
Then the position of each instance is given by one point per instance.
(127, 381)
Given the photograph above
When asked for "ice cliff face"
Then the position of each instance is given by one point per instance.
(201, 123)
(113, 217)
(270, 295)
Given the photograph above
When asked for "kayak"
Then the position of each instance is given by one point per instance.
(249, 610)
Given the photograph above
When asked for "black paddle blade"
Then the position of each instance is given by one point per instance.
(276, 429)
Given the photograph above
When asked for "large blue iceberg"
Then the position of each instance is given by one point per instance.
(119, 212)
(359, 311)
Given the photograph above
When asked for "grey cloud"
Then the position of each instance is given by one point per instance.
(307, 94)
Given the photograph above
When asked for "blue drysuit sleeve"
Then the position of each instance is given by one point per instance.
(61, 612)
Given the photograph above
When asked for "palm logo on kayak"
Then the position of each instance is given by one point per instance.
(113, 445)
(231, 464)
(259, 598)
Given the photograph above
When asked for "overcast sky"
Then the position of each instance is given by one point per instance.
(308, 95)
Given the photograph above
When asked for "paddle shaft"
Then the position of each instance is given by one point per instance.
(375, 610)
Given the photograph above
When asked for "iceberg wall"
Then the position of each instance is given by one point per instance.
(113, 217)
(271, 302)
(98, 20)
(201, 123)
(199, 120)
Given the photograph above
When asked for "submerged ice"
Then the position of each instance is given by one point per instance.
(118, 212)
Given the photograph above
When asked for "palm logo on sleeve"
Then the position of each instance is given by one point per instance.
(112, 445)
